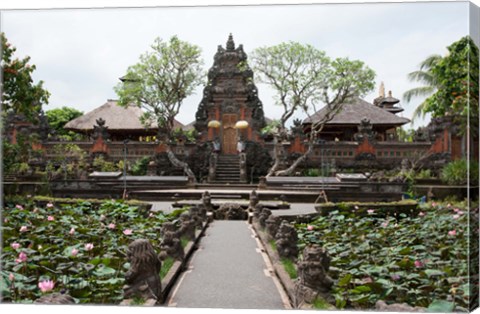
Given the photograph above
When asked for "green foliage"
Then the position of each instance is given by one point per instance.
(189, 135)
(93, 276)
(405, 135)
(452, 84)
(302, 75)
(19, 93)
(57, 118)
(100, 164)
(162, 79)
(415, 260)
(140, 166)
(458, 84)
(290, 268)
(424, 174)
(10, 154)
(457, 172)
(166, 266)
(312, 172)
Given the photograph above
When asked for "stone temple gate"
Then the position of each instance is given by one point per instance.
(230, 109)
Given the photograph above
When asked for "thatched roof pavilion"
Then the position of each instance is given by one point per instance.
(121, 122)
(345, 123)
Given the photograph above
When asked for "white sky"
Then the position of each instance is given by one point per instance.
(81, 53)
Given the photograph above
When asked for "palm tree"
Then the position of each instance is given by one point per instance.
(426, 76)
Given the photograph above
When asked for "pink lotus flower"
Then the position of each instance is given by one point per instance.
(22, 257)
(5, 220)
(460, 212)
(49, 205)
(385, 224)
(111, 226)
(395, 277)
(356, 207)
(452, 233)
(35, 210)
(46, 285)
(19, 207)
(15, 245)
(418, 263)
(309, 227)
(456, 210)
(88, 246)
(11, 277)
(72, 231)
(23, 229)
(151, 215)
(456, 216)
(370, 211)
(50, 218)
(434, 204)
(74, 252)
(421, 214)
(127, 231)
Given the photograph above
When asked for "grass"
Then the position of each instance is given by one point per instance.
(137, 301)
(290, 268)
(273, 245)
(320, 304)
(166, 265)
(184, 241)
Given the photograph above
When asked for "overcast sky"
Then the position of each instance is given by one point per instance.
(81, 53)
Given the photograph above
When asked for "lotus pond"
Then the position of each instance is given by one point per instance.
(80, 248)
(420, 260)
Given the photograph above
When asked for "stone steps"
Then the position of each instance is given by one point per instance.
(228, 169)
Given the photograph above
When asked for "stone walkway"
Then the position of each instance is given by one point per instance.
(229, 271)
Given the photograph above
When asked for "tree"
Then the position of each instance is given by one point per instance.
(19, 93)
(159, 83)
(458, 85)
(304, 77)
(57, 118)
(452, 84)
(426, 77)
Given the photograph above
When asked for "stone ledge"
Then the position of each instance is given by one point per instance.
(171, 277)
(284, 278)
(177, 268)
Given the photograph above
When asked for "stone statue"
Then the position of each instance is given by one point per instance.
(171, 245)
(142, 279)
(253, 200)
(286, 241)
(187, 228)
(195, 214)
(313, 268)
(231, 211)
(264, 214)
(271, 226)
(313, 279)
(207, 201)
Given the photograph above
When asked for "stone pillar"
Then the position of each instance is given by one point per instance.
(243, 167)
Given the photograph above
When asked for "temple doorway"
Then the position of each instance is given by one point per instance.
(229, 142)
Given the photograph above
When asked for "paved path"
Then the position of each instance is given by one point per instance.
(295, 208)
(228, 271)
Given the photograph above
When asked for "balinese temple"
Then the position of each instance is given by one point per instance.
(230, 108)
(381, 116)
(121, 122)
